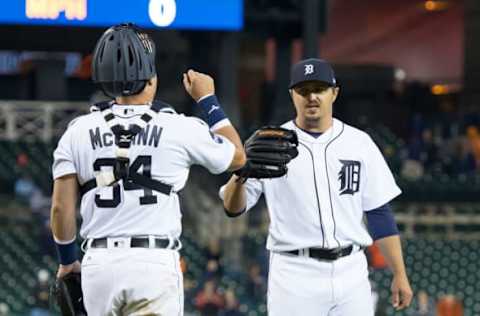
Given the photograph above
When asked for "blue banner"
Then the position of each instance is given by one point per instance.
(172, 14)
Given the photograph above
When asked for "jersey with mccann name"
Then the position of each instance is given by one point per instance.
(322, 199)
(164, 151)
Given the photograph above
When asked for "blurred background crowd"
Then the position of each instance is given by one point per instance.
(408, 73)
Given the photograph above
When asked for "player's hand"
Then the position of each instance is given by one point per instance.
(198, 84)
(64, 270)
(401, 292)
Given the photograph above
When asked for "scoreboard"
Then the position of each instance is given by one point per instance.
(171, 14)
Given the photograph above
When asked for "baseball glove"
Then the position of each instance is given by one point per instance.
(67, 292)
(268, 151)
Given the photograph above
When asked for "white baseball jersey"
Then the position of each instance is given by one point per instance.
(329, 185)
(164, 150)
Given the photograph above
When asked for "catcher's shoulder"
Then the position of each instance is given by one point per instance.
(83, 120)
(189, 121)
(183, 125)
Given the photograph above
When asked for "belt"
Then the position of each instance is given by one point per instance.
(134, 242)
(323, 253)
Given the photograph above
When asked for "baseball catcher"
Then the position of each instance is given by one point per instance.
(123, 65)
(268, 151)
(67, 292)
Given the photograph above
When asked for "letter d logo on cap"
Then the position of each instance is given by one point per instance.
(309, 69)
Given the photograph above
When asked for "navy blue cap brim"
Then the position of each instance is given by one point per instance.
(294, 84)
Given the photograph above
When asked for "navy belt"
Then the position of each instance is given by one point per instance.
(162, 243)
(323, 253)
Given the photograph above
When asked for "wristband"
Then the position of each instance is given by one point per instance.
(212, 110)
(67, 253)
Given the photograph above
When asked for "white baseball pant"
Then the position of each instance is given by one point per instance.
(303, 286)
(132, 281)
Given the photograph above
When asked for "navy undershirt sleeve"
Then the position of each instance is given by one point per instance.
(381, 223)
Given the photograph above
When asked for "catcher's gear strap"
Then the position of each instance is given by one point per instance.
(68, 294)
(123, 139)
(136, 178)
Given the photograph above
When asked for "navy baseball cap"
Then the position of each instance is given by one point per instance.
(312, 69)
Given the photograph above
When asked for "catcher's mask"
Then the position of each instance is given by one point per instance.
(123, 60)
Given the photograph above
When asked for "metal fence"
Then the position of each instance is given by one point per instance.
(34, 120)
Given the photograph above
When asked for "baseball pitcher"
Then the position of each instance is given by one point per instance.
(336, 176)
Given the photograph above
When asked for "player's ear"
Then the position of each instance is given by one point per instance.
(290, 92)
(152, 81)
(335, 90)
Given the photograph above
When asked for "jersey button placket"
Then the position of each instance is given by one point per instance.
(319, 175)
(318, 191)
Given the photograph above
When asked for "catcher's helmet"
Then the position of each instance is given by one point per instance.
(123, 60)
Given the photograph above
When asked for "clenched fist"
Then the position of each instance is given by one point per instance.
(198, 84)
